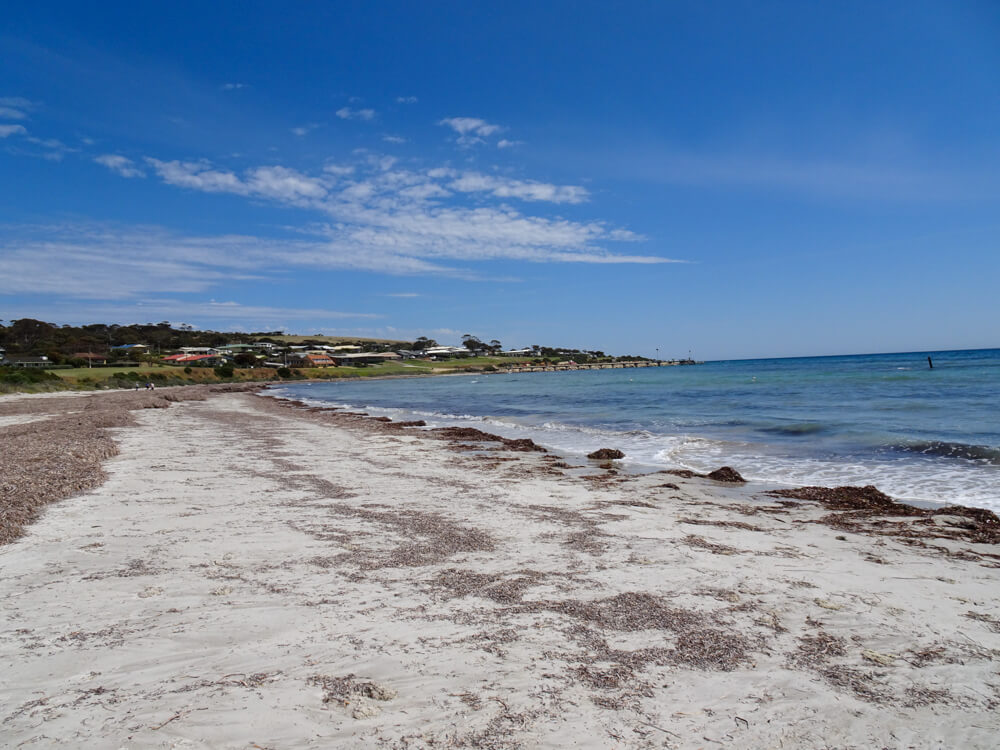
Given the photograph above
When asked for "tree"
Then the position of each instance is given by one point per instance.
(422, 343)
(472, 343)
(495, 346)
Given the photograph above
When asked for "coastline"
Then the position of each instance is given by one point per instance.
(372, 584)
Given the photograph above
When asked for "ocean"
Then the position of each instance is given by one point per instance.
(918, 434)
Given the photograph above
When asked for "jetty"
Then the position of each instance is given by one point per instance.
(563, 366)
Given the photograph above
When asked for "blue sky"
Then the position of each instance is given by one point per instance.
(733, 179)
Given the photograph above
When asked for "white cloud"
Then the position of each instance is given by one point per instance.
(16, 101)
(393, 139)
(392, 220)
(302, 130)
(15, 107)
(470, 130)
(346, 113)
(8, 130)
(402, 295)
(471, 182)
(406, 100)
(198, 176)
(504, 143)
(233, 86)
(120, 164)
(338, 169)
(283, 184)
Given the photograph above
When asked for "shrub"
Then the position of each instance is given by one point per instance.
(284, 372)
(188, 370)
(225, 371)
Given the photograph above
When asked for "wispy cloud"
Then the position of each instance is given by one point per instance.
(846, 177)
(233, 86)
(393, 139)
(302, 130)
(471, 130)
(400, 221)
(504, 143)
(8, 130)
(529, 190)
(346, 113)
(15, 107)
(402, 295)
(279, 183)
(119, 164)
(406, 100)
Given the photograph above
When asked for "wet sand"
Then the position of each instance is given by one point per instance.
(245, 573)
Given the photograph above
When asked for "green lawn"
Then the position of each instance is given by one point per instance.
(100, 373)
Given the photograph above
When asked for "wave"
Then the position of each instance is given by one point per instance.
(801, 428)
(979, 453)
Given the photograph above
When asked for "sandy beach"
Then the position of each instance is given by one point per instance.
(241, 572)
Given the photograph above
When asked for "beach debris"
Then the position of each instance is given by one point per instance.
(860, 509)
(358, 694)
(722, 474)
(886, 660)
(472, 435)
(604, 454)
(827, 604)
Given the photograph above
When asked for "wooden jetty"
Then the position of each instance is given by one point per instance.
(564, 366)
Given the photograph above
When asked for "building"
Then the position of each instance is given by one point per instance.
(25, 362)
(447, 351)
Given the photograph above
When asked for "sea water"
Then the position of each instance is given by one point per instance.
(918, 434)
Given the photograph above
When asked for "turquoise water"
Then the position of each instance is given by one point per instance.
(885, 419)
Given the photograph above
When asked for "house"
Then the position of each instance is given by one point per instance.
(319, 360)
(526, 352)
(199, 350)
(311, 359)
(130, 348)
(447, 351)
(39, 362)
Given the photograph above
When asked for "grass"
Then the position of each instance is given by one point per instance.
(100, 373)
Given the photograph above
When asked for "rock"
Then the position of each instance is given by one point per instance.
(365, 710)
(726, 474)
(606, 453)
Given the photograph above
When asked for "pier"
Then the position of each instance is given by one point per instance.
(563, 366)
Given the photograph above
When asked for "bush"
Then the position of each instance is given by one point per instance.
(284, 372)
(188, 370)
(23, 376)
(225, 371)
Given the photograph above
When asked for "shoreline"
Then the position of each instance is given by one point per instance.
(253, 572)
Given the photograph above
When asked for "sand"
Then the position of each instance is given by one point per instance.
(254, 575)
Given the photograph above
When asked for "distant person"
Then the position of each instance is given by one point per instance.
(929, 363)
(149, 385)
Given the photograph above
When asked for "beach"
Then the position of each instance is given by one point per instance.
(245, 572)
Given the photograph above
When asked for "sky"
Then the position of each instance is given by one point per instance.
(725, 179)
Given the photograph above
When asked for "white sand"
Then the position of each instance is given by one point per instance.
(239, 556)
